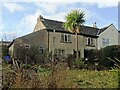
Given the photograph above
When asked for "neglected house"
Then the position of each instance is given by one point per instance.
(3, 46)
(49, 35)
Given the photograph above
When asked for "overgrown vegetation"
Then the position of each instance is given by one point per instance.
(103, 56)
(49, 71)
(58, 76)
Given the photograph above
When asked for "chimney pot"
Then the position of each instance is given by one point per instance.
(94, 25)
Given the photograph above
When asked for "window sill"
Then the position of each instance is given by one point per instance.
(65, 42)
(91, 45)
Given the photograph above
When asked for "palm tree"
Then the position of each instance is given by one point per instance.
(74, 21)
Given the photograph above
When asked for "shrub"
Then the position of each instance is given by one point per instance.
(103, 54)
(109, 52)
(40, 69)
(71, 61)
(80, 64)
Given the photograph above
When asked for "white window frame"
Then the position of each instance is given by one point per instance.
(91, 41)
(27, 46)
(60, 52)
(65, 37)
(105, 42)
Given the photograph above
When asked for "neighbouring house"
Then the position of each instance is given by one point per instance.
(50, 36)
(108, 36)
(3, 44)
(119, 38)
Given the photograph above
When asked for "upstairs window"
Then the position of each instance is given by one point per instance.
(27, 46)
(65, 38)
(105, 42)
(90, 41)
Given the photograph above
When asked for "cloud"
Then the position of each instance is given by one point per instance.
(100, 3)
(12, 7)
(54, 10)
(104, 4)
(48, 7)
(27, 23)
(8, 35)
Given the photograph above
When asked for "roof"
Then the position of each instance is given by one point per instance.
(58, 26)
(104, 28)
(5, 41)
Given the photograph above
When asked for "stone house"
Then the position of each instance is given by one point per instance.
(49, 35)
(3, 44)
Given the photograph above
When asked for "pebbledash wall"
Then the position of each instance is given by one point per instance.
(108, 37)
(119, 38)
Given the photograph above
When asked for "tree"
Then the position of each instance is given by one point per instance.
(74, 21)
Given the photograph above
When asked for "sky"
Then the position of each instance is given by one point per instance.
(18, 17)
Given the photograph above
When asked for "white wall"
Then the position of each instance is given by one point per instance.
(119, 38)
(110, 33)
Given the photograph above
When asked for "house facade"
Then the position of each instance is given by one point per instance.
(50, 36)
(3, 44)
(108, 36)
(119, 38)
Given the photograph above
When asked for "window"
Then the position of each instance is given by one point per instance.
(65, 38)
(74, 53)
(105, 42)
(41, 49)
(62, 37)
(59, 52)
(27, 46)
(69, 38)
(90, 42)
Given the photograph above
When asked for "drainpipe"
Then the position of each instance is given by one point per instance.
(48, 42)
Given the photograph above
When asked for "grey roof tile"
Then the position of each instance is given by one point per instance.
(58, 25)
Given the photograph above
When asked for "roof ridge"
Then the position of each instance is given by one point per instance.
(63, 22)
(107, 26)
(53, 20)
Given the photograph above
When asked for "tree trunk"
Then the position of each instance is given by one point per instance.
(76, 45)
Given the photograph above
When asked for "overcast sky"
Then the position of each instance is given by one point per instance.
(19, 18)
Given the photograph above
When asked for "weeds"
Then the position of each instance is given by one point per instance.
(58, 76)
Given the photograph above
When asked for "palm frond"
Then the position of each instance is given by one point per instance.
(74, 20)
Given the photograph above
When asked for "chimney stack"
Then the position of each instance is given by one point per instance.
(94, 25)
(40, 18)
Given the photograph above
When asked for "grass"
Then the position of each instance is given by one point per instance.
(94, 79)
(58, 77)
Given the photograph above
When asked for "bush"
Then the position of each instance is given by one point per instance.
(109, 52)
(103, 54)
(40, 69)
(80, 64)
